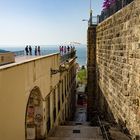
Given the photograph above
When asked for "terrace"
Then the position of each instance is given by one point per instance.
(19, 56)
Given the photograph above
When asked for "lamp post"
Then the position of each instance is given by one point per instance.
(87, 20)
(90, 11)
(90, 19)
(90, 5)
(61, 68)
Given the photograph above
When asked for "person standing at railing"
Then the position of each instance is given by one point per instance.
(62, 49)
(35, 50)
(73, 48)
(39, 51)
(65, 49)
(27, 50)
(68, 48)
(30, 50)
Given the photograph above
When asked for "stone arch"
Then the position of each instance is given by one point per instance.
(34, 115)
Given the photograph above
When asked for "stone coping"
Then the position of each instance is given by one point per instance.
(25, 59)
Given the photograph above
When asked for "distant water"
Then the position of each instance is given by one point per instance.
(81, 51)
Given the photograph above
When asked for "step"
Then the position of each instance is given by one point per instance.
(77, 132)
(73, 123)
(67, 138)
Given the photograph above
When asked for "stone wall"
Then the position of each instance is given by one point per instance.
(118, 66)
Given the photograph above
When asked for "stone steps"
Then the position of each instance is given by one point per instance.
(77, 123)
(68, 138)
(77, 132)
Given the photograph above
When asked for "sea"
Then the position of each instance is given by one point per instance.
(81, 51)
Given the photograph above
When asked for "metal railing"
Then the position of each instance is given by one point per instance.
(19, 53)
(63, 58)
(22, 52)
(67, 56)
(103, 130)
(114, 7)
(95, 20)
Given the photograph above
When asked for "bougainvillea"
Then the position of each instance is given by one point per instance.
(107, 3)
(112, 1)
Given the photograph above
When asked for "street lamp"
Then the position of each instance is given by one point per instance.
(85, 20)
(61, 68)
(90, 19)
(90, 5)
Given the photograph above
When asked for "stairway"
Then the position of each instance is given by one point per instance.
(78, 129)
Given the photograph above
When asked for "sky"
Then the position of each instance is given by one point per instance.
(45, 22)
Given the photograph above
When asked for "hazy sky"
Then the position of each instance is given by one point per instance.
(44, 21)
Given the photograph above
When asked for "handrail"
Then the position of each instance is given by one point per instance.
(19, 53)
(105, 135)
(67, 56)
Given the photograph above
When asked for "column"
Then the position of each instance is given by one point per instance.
(91, 70)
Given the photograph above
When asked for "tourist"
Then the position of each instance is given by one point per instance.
(65, 49)
(68, 49)
(26, 50)
(39, 50)
(71, 48)
(30, 50)
(35, 50)
(62, 49)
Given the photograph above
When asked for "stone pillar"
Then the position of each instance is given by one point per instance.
(91, 70)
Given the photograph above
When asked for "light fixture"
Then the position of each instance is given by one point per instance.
(62, 68)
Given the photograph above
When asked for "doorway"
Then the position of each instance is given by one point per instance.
(34, 116)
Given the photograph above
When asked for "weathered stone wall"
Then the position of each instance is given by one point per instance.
(118, 66)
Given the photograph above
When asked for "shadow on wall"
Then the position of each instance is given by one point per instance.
(107, 114)
(104, 108)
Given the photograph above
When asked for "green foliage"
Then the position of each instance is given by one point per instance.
(81, 76)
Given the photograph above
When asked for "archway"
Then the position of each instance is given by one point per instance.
(34, 116)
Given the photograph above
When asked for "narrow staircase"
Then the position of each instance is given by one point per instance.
(78, 129)
(77, 132)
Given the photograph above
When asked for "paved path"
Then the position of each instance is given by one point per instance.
(23, 58)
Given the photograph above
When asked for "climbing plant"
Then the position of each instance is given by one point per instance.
(107, 3)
